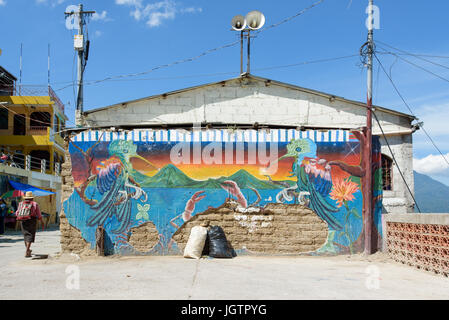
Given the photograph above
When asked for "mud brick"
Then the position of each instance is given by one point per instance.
(215, 217)
(228, 217)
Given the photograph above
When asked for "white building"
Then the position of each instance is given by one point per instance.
(249, 101)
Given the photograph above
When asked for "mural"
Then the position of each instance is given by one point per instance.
(123, 180)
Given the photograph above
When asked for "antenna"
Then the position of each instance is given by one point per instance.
(254, 20)
(20, 66)
(48, 65)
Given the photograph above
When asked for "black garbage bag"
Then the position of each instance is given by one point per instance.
(218, 244)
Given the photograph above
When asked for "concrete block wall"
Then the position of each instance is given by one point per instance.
(419, 240)
(399, 200)
(245, 102)
(241, 101)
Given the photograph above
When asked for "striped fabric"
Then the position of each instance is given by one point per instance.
(216, 135)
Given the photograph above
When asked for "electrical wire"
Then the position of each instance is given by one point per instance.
(419, 67)
(291, 17)
(26, 117)
(408, 107)
(418, 56)
(395, 161)
(198, 56)
(160, 66)
(232, 72)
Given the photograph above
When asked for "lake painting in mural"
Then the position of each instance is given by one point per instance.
(124, 181)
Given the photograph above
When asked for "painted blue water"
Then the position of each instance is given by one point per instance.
(168, 203)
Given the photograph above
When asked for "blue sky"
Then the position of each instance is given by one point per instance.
(131, 36)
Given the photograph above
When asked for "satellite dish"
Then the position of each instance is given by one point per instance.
(255, 20)
(238, 23)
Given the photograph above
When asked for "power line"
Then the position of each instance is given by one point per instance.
(395, 161)
(160, 66)
(291, 17)
(419, 67)
(26, 117)
(229, 72)
(200, 55)
(408, 107)
(418, 56)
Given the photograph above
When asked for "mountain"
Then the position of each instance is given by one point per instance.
(246, 180)
(432, 196)
(171, 177)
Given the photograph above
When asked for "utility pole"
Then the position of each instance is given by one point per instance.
(368, 216)
(80, 46)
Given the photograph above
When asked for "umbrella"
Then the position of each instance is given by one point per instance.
(21, 187)
(12, 194)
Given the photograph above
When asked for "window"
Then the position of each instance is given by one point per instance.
(387, 173)
(3, 118)
(55, 124)
(40, 119)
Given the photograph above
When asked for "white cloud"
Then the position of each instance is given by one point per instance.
(191, 10)
(98, 33)
(100, 17)
(432, 165)
(129, 2)
(53, 3)
(157, 12)
(2, 2)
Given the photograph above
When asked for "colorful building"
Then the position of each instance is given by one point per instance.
(31, 118)
(277, 166)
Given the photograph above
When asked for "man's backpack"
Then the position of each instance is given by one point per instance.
(24, 210)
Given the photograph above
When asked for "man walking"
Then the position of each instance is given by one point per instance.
(27, 213)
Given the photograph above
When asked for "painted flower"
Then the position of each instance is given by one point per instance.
(343, 191)
(143, 211)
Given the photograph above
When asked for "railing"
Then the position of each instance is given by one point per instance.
(38, 130)
(18, 160)
(38, 90)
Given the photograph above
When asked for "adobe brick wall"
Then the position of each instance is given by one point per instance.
(414, 241)
(144, 237)
(71, 239)
(275, 229)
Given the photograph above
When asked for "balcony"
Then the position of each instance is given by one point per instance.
(32, 94)
(38, 130)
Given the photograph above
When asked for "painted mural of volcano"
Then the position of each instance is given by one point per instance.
(171, 177)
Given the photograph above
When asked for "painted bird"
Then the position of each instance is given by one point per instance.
(313, 176)
(115, 183)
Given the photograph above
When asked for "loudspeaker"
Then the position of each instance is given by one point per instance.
(255, 20)
(238, 23)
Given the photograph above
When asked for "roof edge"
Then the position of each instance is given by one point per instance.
(262, 79)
